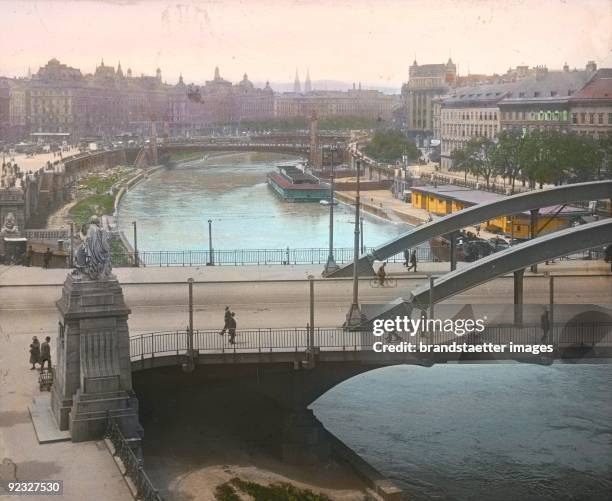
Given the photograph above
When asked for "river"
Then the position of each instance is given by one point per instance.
(450, 432)
(172, 208)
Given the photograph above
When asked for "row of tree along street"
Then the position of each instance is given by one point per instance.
(536, 157)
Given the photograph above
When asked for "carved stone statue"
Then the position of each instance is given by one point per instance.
(93, 257)
(9, 230)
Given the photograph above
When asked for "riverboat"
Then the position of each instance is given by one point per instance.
(294, 185)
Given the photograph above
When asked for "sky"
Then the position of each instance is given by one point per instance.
(372, 41)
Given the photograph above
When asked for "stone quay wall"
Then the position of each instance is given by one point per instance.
(43, 191)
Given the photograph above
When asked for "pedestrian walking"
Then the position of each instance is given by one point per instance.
(34, 352)
(232, 328)
(29, 256)
(413, 261)
(47, 258)
(227, 315)
(406, 257)
(381, 274)
(45, 353)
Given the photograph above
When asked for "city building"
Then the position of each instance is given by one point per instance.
(446, 199)
(542, 101)
(355, 102)
(467, 112)
(425, 83)
(60, 101)
(591, 107)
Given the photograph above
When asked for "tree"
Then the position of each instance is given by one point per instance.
(390, 145)
(509, 155)
(460, 162)
(480, 152)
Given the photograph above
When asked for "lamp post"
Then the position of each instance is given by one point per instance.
(136, 263)
(211, 261)
(71, 260)
(361, 234)
(354, 317)
(331, 265)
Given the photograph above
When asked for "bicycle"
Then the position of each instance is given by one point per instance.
(387, 282)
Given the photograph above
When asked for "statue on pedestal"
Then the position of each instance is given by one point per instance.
(93, 257)
(9, 230)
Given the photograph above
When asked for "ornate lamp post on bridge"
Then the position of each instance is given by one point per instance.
(354, 317)
(331, 265)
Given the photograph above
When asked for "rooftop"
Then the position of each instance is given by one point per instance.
(548, 86)
(596, 89)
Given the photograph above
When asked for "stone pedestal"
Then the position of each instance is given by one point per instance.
(93, 379)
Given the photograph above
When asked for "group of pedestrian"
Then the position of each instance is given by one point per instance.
(40, 353)
(229, 325)
(410, 260)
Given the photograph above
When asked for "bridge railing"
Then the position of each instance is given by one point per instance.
(288, 256)
(238, 257)
(278, 340)
(133, 466)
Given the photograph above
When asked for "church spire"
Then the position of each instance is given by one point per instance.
(297, 88)
(307, 84)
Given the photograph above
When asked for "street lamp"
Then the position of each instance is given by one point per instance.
(211, 261)
(136, 263)
(354, 316)
(331, 265)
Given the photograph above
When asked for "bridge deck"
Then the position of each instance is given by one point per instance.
(270, 346)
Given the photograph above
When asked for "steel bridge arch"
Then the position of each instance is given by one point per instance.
(594, 190)
(518, 257)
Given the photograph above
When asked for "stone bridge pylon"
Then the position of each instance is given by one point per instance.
(93, 379)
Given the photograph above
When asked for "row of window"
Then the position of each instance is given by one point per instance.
(470, 115)
(591, 118)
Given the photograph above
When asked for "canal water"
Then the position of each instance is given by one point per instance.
(451, 432)
(173, 206)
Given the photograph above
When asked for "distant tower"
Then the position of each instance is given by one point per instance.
(119, 70)
(158, 74)
(297, 88)
(217, 74)
(129, 72)
(307, 84)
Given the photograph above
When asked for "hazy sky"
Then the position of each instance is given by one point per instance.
(371, 41)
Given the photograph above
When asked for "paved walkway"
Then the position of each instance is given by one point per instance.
(87, 469)
(32, 164)
(19, 275)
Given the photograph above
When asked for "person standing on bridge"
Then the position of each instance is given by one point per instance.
(232, 328)
(406, 257)
(226, 320)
